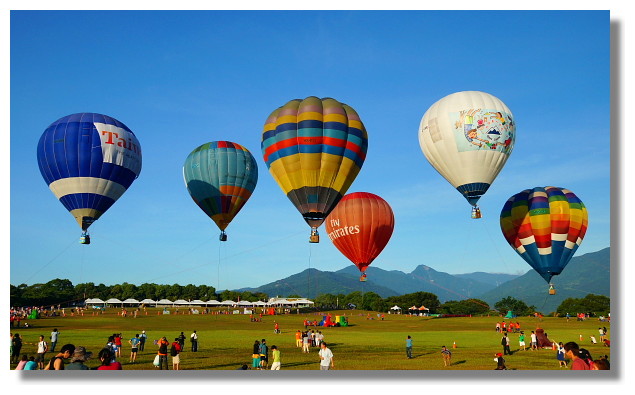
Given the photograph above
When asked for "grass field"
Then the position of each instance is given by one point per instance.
(225, 341)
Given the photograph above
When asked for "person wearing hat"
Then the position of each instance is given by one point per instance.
(142, 340)
(79, 358)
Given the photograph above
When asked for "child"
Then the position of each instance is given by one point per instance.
(447, 355)
(500, 362)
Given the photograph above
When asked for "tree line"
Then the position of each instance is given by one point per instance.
(63, 292)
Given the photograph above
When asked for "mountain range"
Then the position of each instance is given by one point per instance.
(588, 273)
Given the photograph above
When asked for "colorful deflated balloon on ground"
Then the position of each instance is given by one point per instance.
(220, 176)
(88, 161)
(360, 227)
(314, 148)
(545, 226)
(467, 137)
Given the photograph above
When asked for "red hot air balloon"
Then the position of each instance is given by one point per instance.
(360, 226)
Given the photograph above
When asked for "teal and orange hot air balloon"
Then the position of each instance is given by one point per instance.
(220, 177)
(545, 226)
(314, 148)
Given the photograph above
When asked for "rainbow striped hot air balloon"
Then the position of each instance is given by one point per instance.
(314, 148)
(545, 226)
(220, 177)
(88, 161)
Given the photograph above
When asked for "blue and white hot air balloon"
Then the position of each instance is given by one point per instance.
(88, 161)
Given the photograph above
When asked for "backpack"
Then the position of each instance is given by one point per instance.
(174, 349)
(503, 341)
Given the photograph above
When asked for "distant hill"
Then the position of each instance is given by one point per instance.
(493, 279)
(585, 274)
(589, 273)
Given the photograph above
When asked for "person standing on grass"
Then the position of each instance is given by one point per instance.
(117, 337)
(447, 356)
(521, 341)
(175, 352)
(275, 365)
(194, 340)
(163, 352)
(305, 342)
(142, 340)
(572, 352)
(134, 347)
(505, 344)
(54, 336)
(255, 355)
(182, 341)
(16, 346)
(534, 341)
(42, 348)
(298, 339)
(264, 354)
(409, 347)
(326, 357)
(560, 356)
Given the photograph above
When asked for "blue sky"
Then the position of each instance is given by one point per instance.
(180, 79)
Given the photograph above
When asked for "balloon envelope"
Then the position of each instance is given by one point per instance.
(220, 177)
(545, 226)
(314, 149)
(88, 161)
(360, 227)
(467, 137)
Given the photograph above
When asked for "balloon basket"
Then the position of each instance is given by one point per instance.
(362, 277)
(84, 238)
(476, 212)
(223, 236)
(552, 290)
(315, 237)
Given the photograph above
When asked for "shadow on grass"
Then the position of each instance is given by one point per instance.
(458, 362)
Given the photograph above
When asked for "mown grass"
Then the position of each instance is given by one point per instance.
(225, 341)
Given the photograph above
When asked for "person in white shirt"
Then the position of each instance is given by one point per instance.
(194, 340)
(534, 342)
(326, 357)
(42, 348)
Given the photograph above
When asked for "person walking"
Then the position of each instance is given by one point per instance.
(275, 353)
(447, 356)
(505, 344)
(54, 337)
(163, 352)
(409, 347)
(134, 347)
(194, 341)
(42, 348)
(326, 357)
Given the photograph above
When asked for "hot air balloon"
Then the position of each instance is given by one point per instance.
(314, 149)
(88, 161)
(467, 137)
(220, 176)
(360, 227)
(545, 226)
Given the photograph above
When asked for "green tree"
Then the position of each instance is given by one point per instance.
(597, 304)
(468, 306)
(517, 306)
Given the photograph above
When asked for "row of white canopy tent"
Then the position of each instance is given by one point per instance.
(411, 308)
(181, 302)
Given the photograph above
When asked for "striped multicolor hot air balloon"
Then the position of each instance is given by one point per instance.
(88, 161)
(314, 148)
(545, 226)
(360, 227)
(220, 177)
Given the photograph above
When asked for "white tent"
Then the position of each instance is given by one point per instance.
(197, 303)
(181, 302)
(95, 301)
(395, 307)
(164, 302)
(259, 303)
(130, 301)
(213, 302)
(244, 303)
(304, 302)
(147, 301)
(227, 303)
(114, 301)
